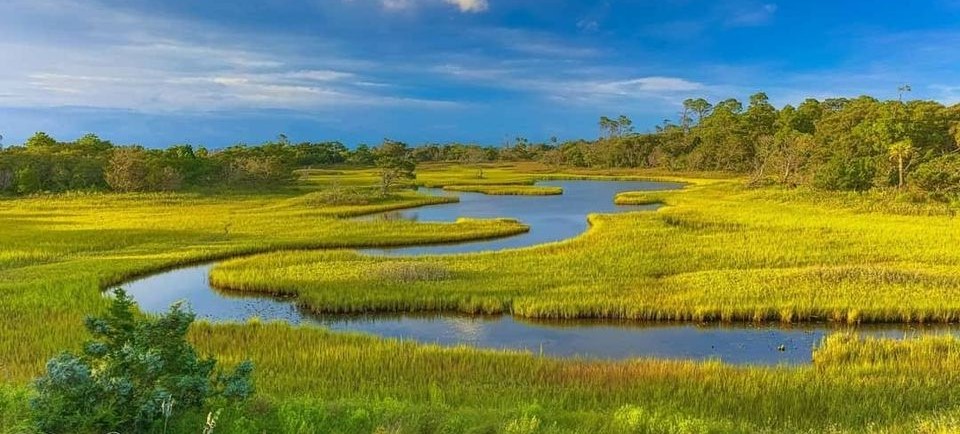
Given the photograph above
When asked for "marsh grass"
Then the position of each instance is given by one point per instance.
(716, 251)
(412, 272)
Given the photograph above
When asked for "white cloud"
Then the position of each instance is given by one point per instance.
(646, 85)
(124, 60)
(465, 6)
(470, 5)
(574, 84)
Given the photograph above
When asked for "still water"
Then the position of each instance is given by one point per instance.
(552, 218)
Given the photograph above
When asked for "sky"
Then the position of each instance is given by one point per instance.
(220, 72)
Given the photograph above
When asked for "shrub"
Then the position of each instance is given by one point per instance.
(136, 373)
(842, 174)
(938, 176)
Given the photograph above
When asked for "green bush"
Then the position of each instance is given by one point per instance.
(855, 174)
(938, 176)
(134, 376)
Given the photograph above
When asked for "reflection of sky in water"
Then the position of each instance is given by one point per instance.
(552, 218)
(596, 339)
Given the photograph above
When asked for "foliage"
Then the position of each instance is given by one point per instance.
(133, 375)
(127, 170)
(940, 176)
(841, 174)
(836, 144)
(396, 164)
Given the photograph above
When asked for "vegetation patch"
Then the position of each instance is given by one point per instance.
(405, 272)
(718, 252)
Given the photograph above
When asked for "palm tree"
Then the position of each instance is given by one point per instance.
(901, 152)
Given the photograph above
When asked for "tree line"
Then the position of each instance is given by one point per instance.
(836, 144)
(43, 164)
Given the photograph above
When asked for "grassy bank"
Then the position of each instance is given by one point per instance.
(716, 252)
(359, 384)
(59, 251)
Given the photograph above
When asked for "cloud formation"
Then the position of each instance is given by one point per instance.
(465, 6)
(161, 64)
(470, 5)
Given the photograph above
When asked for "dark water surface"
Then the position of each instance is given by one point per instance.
(552, 218)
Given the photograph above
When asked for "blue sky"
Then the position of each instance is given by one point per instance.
(220, 72)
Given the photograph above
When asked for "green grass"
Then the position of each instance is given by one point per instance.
(361, 384)
(717, 251)
(507, 190)
(59, 251)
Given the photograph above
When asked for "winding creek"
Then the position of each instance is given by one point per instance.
(551, 218)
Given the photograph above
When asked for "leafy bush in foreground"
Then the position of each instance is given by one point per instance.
(134, 375)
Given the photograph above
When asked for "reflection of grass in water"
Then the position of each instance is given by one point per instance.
(507, 190)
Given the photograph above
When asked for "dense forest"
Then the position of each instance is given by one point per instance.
(836, 144)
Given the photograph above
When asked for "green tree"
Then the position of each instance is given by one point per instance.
(699, 106)
(940, 176)
(396, 163)
(362, 156)
(90, 143)
(761, 116)
(27, 180)
(40, 140)
(133, 375)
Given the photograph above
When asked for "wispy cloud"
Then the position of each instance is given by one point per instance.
(466, 6)
(152, 63)
(575, 85)
(751, 15)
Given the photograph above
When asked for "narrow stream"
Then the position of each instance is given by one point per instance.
(552, 218)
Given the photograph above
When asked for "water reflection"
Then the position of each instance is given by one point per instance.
(738, 344)
(551, 218)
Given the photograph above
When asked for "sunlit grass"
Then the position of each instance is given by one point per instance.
(716, 252)
(59, 251)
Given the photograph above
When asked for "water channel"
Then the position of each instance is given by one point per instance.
(551, 218)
